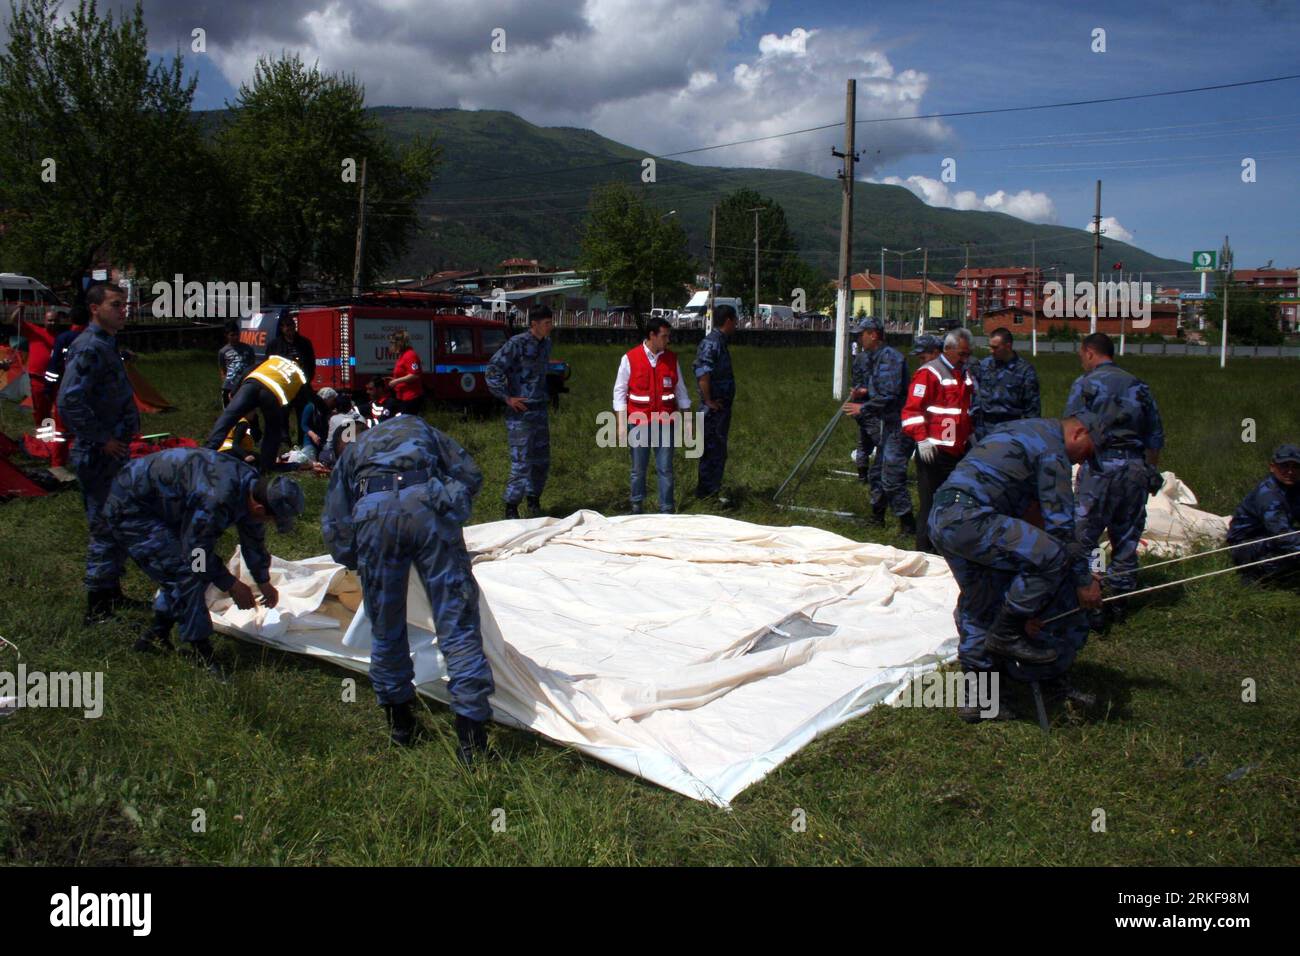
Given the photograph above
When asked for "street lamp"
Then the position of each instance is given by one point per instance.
(755, 210)
(654, 240)
(900, 254)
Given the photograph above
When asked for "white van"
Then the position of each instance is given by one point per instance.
(696, 310)
(34, 297)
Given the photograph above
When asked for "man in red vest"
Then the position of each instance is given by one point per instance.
(649, 396)
(937, 418)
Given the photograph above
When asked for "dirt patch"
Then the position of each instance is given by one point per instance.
(99, 837)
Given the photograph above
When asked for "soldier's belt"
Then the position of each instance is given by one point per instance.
(951, 496)
(406, 479)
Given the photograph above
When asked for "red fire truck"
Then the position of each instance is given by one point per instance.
(350, 339)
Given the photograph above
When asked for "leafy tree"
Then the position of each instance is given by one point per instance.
(100, 157)
(1250, 319)
(293, 150)
(628, 246)
(780, 270)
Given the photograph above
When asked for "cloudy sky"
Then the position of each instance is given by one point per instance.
(669, 75)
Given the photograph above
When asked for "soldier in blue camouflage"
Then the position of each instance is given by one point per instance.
(1272, 509)
(1114, 484)
(517, 376)
(1004, 521)
(97, 404)
(169, 510)
(879, 392)
(1006, 386)
(717, 386)
(400, 495)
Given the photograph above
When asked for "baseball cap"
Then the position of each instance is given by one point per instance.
(1286, 453)
(869, 324)
(284, 499)
(926, 343)
(1097, 427)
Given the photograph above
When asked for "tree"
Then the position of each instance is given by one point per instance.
(1250, 320)
(101, 156)
(293, 151)
(627, 245)
(780, 271)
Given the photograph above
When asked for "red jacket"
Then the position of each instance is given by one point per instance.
(40, 343)
(651, 389)
(938, 406)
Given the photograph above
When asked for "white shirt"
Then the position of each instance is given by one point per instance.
(625, 372)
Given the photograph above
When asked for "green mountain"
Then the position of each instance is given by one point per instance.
(508, 189)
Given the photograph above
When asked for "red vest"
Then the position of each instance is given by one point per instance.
(651, 389)
(938, 407)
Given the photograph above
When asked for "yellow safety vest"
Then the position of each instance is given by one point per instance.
(245, 439)
(281, 375)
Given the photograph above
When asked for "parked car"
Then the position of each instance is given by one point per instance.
(32, 295)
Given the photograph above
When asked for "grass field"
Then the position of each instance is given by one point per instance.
(286, 773)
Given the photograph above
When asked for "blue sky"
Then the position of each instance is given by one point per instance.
(1171, 166)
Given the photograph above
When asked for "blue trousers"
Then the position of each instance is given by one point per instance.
(717, 428)
(1112, 499)
(887, 476)
(996, 560)
(395, 530)
(639, 439)
(105, 558)
(158, 551)
(529, 437)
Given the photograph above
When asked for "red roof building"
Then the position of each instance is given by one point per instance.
(999, 287)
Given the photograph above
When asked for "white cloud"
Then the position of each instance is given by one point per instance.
(1111, 229)
(662, 75)
(1025, 204)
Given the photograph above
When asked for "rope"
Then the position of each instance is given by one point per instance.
(1201, 554)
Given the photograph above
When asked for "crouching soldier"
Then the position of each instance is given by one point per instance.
(169, 510)
(1272, 509)
(400, 495)
(1004, 521)
(270, 388)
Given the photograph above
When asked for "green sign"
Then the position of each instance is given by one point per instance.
(1204, 260)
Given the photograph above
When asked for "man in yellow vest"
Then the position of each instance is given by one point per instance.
(270, 388)
(239, 441)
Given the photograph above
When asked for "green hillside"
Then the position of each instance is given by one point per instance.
(508, 188)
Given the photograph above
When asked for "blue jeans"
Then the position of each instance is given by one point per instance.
(638, 439)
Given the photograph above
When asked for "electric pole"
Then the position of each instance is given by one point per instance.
(713, 243)
(969, 319)
(361, 233)
(925, 291)
(756, 210)
(1096, 258)
(1226, 258)
(845, 301)
(1038, 295)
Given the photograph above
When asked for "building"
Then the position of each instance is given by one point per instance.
(902, 299)
(1277, 287)
(1163, 321)
(989, 290)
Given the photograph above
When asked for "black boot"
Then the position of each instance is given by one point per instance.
(1062, 690)
(99, 607)
(205, 656)
(402, 726)
(512, 510)
(120, 602)
(158, 635)
(1007, 639)
(471, 736)
(971, 711)
(864, 474)
(878, 515)
(534, 506)
(907, 524)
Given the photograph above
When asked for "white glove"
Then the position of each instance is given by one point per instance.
(925, 451)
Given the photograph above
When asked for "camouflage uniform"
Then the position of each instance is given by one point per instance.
(883, 373)
(400, 494)
(979, 524)
(1113, 485)
(518, 370)
(1004, 392)
(713, 358)
(1271, 509)
(98, 404)
(169, 510)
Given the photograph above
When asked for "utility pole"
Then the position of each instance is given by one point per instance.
(969, 318)
(1226, 258)
(1038, 296)
(845, 302)
(756, 210)
(713, 244)
(1096, 258)
(925, 291)
(361, 233)
(884, 312)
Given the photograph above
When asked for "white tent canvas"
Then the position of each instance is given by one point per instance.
(695, 651)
